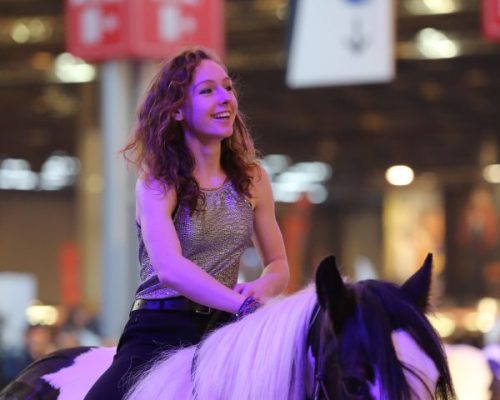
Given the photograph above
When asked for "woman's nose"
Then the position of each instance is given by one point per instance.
(224, 95)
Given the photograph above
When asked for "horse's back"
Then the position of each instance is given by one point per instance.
(39, 381)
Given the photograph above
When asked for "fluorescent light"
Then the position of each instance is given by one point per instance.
(72, 69)
(435, 44)
(399, 175)
(491, 173)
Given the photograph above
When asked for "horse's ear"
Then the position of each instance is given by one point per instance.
(417, 288)
(329, 283)
(332, 292)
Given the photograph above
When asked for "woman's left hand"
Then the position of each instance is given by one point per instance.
(269, 243)
(258, 288)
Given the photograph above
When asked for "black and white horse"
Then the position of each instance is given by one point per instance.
(337, 340)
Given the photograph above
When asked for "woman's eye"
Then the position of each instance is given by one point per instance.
(206, 91)
(229, 88)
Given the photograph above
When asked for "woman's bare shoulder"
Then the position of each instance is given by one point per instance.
(260, 177)
(261, 186)
(150, 190)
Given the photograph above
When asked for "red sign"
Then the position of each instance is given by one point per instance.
(108, 29)
(491, 19)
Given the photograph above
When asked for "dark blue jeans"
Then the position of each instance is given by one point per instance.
(146, 334)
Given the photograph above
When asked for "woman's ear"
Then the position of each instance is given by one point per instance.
(178, 115)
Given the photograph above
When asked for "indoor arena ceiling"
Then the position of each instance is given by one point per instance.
(439, 115)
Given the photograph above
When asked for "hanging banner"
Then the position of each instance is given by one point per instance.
(100, 30)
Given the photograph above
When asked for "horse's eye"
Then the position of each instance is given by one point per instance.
(354, 386)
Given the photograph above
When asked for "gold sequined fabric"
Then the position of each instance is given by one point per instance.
(213, 238)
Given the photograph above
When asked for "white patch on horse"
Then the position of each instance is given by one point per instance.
(424, 375)
(75, 381)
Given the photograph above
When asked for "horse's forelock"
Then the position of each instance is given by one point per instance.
(376, 322)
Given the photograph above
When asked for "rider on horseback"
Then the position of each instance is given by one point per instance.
(201, 198)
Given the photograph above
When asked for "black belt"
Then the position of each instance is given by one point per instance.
(172, 304)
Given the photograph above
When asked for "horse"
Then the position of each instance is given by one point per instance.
(333, 340)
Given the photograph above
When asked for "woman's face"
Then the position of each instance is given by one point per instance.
(210, 108)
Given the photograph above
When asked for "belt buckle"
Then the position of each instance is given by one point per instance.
(203, 311)
(137, 305)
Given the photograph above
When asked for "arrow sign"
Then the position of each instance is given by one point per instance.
(358, 41)
(100, 30)
(340, 42)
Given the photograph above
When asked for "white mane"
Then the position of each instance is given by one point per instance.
(263, 356)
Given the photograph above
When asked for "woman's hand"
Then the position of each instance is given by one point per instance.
(260, 289)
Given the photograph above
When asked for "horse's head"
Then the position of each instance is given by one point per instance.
(371, 339)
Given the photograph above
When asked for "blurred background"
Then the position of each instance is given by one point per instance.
(378, 173)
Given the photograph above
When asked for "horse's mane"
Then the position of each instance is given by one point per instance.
(267, 349)
(262, 356)
(381, 309)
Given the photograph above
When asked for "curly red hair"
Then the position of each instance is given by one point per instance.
(157, 147)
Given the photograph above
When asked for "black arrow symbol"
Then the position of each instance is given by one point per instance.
(358, 41)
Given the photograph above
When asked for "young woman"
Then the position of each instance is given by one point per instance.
(201, 199)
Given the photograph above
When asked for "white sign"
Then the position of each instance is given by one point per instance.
(339, 42)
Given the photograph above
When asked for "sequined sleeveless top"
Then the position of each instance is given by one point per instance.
(213, 238)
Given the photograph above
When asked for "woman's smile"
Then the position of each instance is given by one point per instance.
(223, 115)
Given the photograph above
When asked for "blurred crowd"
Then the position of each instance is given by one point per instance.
(75, 328)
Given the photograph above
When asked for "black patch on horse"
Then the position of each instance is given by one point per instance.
(29, 385)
